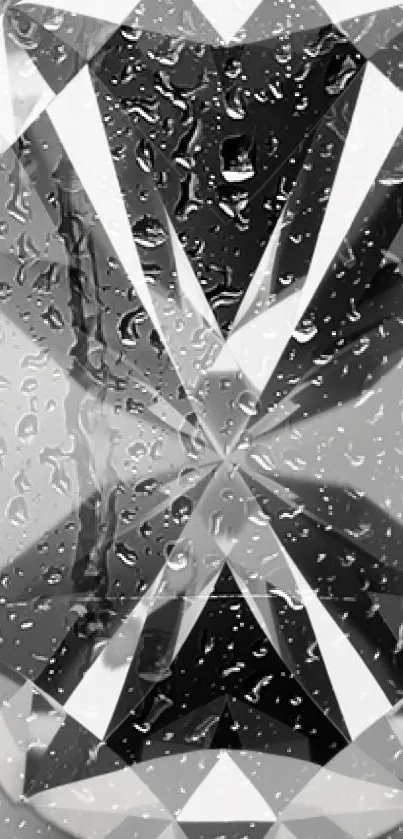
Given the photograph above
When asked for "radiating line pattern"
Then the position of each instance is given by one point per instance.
(201, 576)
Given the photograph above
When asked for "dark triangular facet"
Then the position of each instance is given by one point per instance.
(193, 732)
(335, 580)
(261, 732)
(226, 735)
(222, 656)
(198, 127)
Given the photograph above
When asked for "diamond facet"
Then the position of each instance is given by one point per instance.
(201, 582)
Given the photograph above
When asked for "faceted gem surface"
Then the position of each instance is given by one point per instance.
(201, 583)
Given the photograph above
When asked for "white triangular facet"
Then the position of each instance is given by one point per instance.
(226, 795)
(173, 831)
(377, 121)
(227, 16)
(7, 125)
(95, 698)
(190, 286)
(193, 612)
(88, 150)
(339, 10)
(360, 698)
(258, 345)
(31, 94)
(113, 12)
(261, 283)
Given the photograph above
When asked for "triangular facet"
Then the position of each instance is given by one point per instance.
(226, 735)
(226, 794)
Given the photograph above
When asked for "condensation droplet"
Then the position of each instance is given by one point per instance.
(17, 511)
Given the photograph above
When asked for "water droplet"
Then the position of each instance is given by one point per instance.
(17, 511)
(149, 233)
(126, 554)
(247, 403)
(181, 509)
(180, 557)
(29, 386)
(233, 68)
(53, 318)
(21, 482)
(6, 291)
(128, 326)
(148, 486)
(216, 520)
(156, 450)
(137, 450)
(5, 383)
(52, 575)
(36, 362)
(145, 156)
(235, 103)
(27, 428)
(305, 333)
(237, 156)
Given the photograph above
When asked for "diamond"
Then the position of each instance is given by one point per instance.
(201, 252)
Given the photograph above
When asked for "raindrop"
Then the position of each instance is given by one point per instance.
(156, 450)
(6, 291)
(17, 511)
(52, 575)
(247, 403)
(36, 362)
(237, 156)
(128, 326)
(126, 554)
(27, 428)
(182, 509)
(180, 558)
(53, 318)
(215, 523)
(145, 156)
(21, 482)
(235, 103)
(137, 450)
(149, 233)
(305, 333)
(233, 68)
(29, 385)
(262, 458)
(148, 486)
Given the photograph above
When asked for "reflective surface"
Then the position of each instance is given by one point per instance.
(201, 418)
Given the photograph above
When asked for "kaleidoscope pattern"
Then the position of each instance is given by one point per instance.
(201, 439)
